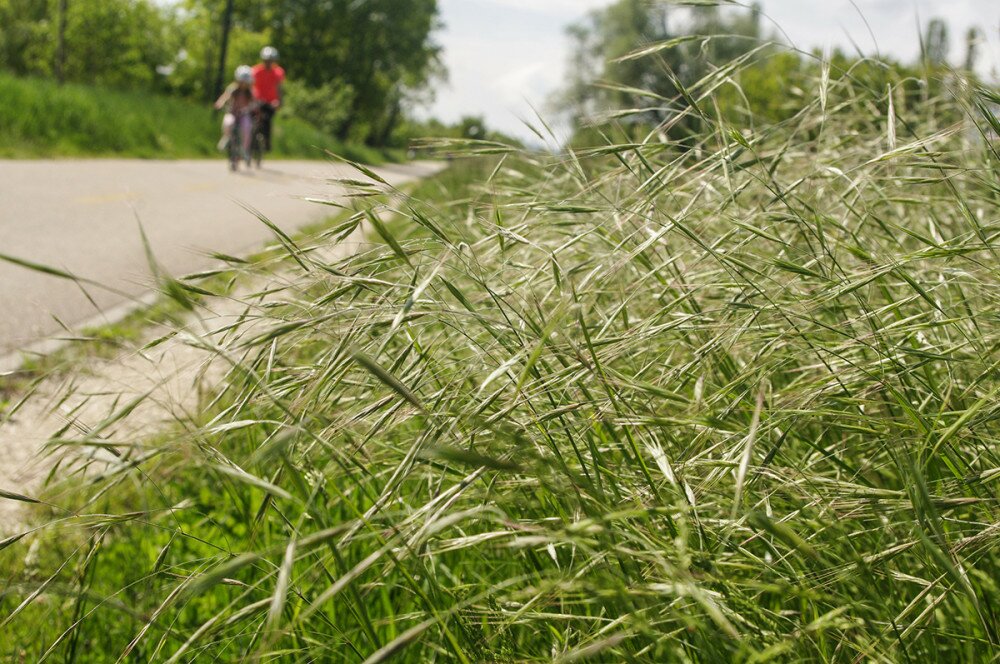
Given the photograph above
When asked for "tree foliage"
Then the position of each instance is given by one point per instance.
(377, 52)
(108, 42)
(357, 65)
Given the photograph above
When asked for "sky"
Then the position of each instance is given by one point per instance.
(506, 57)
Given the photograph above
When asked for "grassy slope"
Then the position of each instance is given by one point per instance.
(735, 404)
(41, 119)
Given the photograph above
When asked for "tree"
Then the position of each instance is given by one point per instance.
(972, 40)
(604, 37)
(227, 26)
(61, 41)
(110, 42)
(651, 88)
(382, 50)
(196, 44)
(935, 44)
(25, 37)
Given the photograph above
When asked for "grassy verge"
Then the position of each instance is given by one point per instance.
(41, 119)
(640, 403)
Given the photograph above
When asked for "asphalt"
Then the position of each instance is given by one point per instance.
(84, 217)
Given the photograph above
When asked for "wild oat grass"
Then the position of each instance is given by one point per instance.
(636, 403)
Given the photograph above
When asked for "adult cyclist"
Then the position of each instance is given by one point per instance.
(268, 77)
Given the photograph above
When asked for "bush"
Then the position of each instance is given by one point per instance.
(325, 108)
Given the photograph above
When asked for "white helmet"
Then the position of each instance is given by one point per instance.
(244, 74)
(269, 53)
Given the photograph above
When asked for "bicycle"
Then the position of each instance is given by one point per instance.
(256, 145)
(235, 147)
(257, 141)
(263, 112)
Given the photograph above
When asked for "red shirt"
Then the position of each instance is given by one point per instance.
(266, 82)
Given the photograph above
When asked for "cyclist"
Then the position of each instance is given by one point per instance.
(268, 78)
(239, 103)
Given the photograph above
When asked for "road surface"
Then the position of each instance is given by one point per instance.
(83, 216)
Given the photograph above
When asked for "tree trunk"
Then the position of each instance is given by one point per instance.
(227, 24)
(61, 42)
(208, 76)
(971, 50)
(390, 124)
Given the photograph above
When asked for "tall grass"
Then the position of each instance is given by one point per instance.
(635, 403)
(39, 118)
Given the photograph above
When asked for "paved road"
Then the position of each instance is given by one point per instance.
(83, 216)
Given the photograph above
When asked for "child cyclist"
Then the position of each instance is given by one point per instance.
(238, 100)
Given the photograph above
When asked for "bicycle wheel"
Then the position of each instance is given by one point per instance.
(234, 148)
(257, 146)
